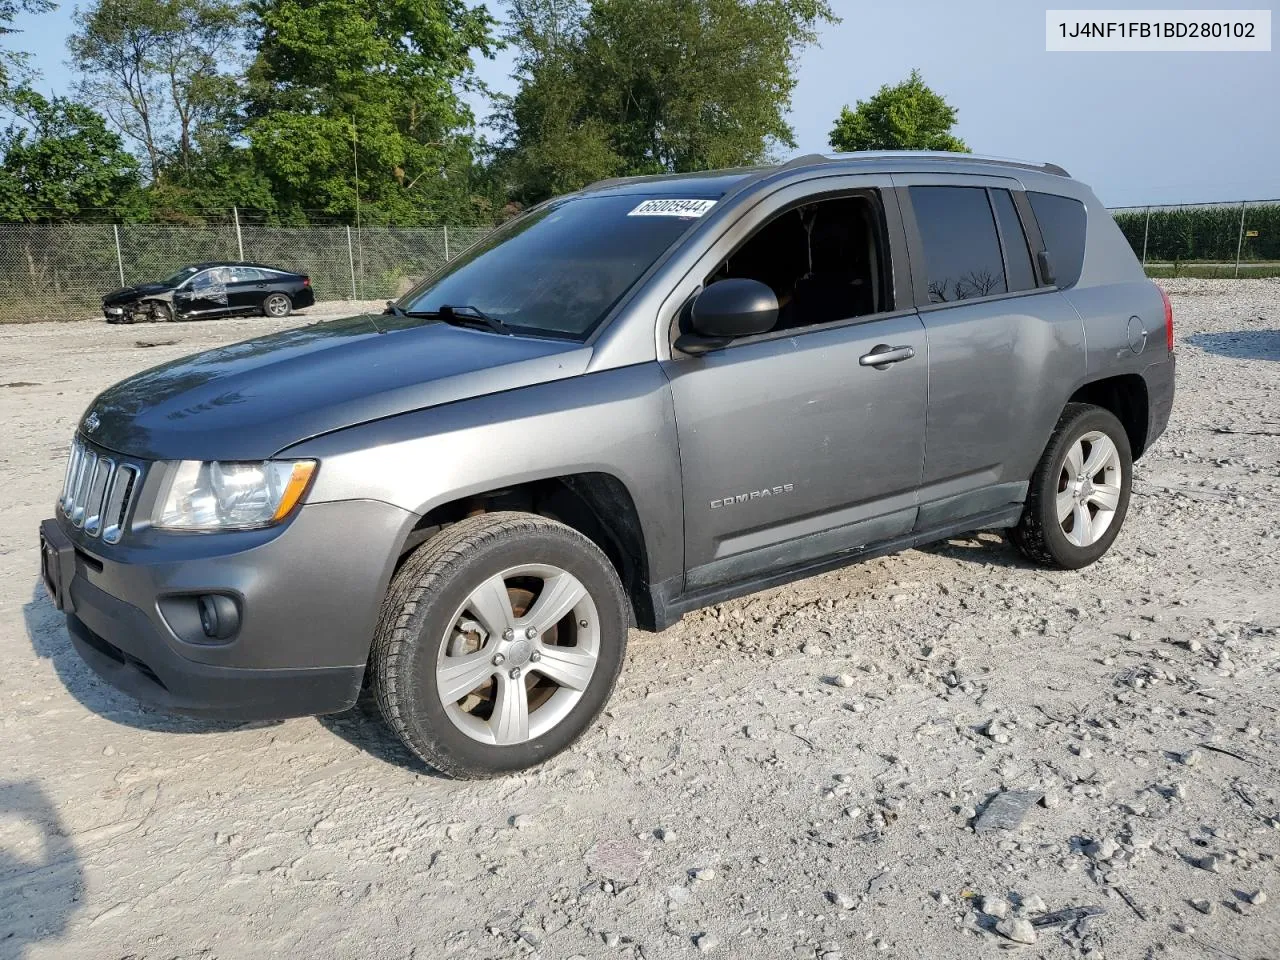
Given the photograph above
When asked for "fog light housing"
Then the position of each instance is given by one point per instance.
(205, 618)
(219, 618)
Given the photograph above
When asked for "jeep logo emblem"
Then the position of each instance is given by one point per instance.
(91, 422)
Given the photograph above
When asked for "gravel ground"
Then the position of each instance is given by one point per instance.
(793, 774)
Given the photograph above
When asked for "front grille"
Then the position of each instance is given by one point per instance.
(98, 491)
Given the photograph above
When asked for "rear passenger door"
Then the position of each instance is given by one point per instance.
(1001, 342)
(246, 288)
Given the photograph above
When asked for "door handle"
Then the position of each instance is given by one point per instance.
(882, 355)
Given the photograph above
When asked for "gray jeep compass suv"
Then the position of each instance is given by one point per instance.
(649, 396)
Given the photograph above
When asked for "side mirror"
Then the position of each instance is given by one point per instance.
(732, 308)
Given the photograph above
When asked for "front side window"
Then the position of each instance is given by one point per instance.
(826, 260)
(559, 270)
(961, 247)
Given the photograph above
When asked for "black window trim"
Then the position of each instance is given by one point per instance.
(915, 245)
(894, 251)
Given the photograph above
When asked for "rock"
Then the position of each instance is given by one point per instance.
(1101, 850)
(1257, 898)
(842, 900)
(813, 650)
(843, 680)
(703, 873)
(994, 907)
(1016, 929)
(611, 939)
(1205, 906)
(706, 942)
(1191, 758)
(1208, 862)
(522, 821)
(1194, 645)
(1033, 903)
(1081, 751)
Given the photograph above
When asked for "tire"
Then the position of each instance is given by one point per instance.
(1043, 534)
(444, 604)
(161, 312)
(277, 306)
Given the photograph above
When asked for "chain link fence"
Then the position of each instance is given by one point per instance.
(61, 271)
(1205, 239)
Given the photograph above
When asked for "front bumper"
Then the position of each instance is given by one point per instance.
(308, 595)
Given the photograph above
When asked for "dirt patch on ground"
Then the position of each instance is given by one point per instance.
(794, 774)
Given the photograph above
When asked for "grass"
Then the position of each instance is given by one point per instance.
(1215, 271)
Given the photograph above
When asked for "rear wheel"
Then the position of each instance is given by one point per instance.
(277, 305)
(499, 643)
(1079, 493)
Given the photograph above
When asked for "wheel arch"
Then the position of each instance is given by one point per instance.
(1125, 396)
(598, 505)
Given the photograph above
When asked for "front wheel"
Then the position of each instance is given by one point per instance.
(277, 305)
(499, 643)
(1079, 493)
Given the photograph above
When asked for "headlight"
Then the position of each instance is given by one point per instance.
(231, 496)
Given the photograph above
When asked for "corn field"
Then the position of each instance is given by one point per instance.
(1238, 239)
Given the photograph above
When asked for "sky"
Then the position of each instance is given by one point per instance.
(1140, 128)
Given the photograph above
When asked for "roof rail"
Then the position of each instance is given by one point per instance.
(942, 155)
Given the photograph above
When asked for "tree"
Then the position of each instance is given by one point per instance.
(159, 70)
(14, 61)
(61, 162)
(908, 116)
(647, 86)
(354, 103)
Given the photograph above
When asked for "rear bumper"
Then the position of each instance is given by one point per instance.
(1159, 378)
(307, 595)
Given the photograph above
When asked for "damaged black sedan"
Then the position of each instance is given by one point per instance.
(205, 290)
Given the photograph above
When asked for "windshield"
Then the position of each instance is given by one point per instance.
(559, 270)
(178, 277)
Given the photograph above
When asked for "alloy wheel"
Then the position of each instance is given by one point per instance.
(1089, 488)
(518, 654)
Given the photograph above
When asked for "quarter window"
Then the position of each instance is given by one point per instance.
(1017, 256)
(1062, 224)
(961, 247)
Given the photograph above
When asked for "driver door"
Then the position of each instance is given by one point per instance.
(794, 449)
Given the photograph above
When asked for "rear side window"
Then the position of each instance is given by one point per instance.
(961, 247)
(1062, 224)
(1017, 256)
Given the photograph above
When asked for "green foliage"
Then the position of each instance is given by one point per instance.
(622, 87)
(1212, 233)
(908, 116)
(59, 160)
(341, 85)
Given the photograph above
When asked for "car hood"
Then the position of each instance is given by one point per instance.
(250, 400)
(127, 294)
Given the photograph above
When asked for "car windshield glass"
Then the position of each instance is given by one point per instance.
(559, 270)
(177, 278)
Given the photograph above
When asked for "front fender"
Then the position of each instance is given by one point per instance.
(618, 422)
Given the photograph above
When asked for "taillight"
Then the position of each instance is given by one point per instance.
(306, 282)
(1168, 318)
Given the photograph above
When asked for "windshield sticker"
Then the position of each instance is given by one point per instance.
(672, 208)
